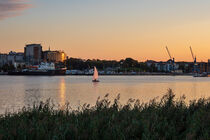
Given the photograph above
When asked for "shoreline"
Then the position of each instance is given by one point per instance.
(105, 75)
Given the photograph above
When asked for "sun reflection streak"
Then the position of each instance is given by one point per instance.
(62, 93)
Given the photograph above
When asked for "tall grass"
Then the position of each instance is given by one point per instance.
(168, 118)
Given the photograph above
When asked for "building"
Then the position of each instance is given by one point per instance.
(3, 60)
(203, 67)
(19, 57)
(149, 63)
(11, 58)
(33, 53)
(54, 56)
(208, 66)
(16, 59)
(168, 66)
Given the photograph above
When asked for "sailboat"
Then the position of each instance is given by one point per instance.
(95, 75)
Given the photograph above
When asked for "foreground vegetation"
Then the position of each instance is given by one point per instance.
(168, 118)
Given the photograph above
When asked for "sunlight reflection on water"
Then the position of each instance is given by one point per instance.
(19, 91)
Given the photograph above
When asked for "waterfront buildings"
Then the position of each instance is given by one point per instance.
(14, 57)
(208, 66)
(33, 53)
(3, 59)
(54, 56)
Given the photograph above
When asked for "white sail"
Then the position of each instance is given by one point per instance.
(95, 75)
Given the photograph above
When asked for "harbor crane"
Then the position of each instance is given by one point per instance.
(168, 53)
(172, 59)
(194, 59)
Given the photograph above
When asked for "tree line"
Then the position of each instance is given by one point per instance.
(127, 64)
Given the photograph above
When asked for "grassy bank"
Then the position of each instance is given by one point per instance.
(165, 119)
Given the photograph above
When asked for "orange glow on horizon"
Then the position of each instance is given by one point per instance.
(112, 31)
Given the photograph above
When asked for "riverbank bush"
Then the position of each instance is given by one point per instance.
(168, 118)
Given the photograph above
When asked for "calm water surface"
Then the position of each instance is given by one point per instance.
(19, 91)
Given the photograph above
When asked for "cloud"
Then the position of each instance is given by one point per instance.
(11, 8)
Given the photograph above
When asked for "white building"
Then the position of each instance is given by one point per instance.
(16, 59)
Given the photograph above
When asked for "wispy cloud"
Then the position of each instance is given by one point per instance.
(11, 8)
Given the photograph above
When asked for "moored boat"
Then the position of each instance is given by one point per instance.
(42, 69)
(204, 74)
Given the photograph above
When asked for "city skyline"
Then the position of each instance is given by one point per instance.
(108, 29)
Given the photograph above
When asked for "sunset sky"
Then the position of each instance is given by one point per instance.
(108, 29)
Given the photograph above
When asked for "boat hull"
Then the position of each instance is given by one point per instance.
(95, 81)
(47, 73)
(201, 75)
(32, 73)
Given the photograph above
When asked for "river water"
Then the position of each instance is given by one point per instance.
(19, 91)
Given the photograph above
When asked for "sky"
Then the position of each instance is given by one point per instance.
(109, 29)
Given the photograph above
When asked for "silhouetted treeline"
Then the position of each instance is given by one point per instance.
(127, 64)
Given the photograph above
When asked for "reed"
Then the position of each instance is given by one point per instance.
(168, 118)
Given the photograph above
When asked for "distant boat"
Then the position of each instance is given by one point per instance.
(204, 74)
(95, 75)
